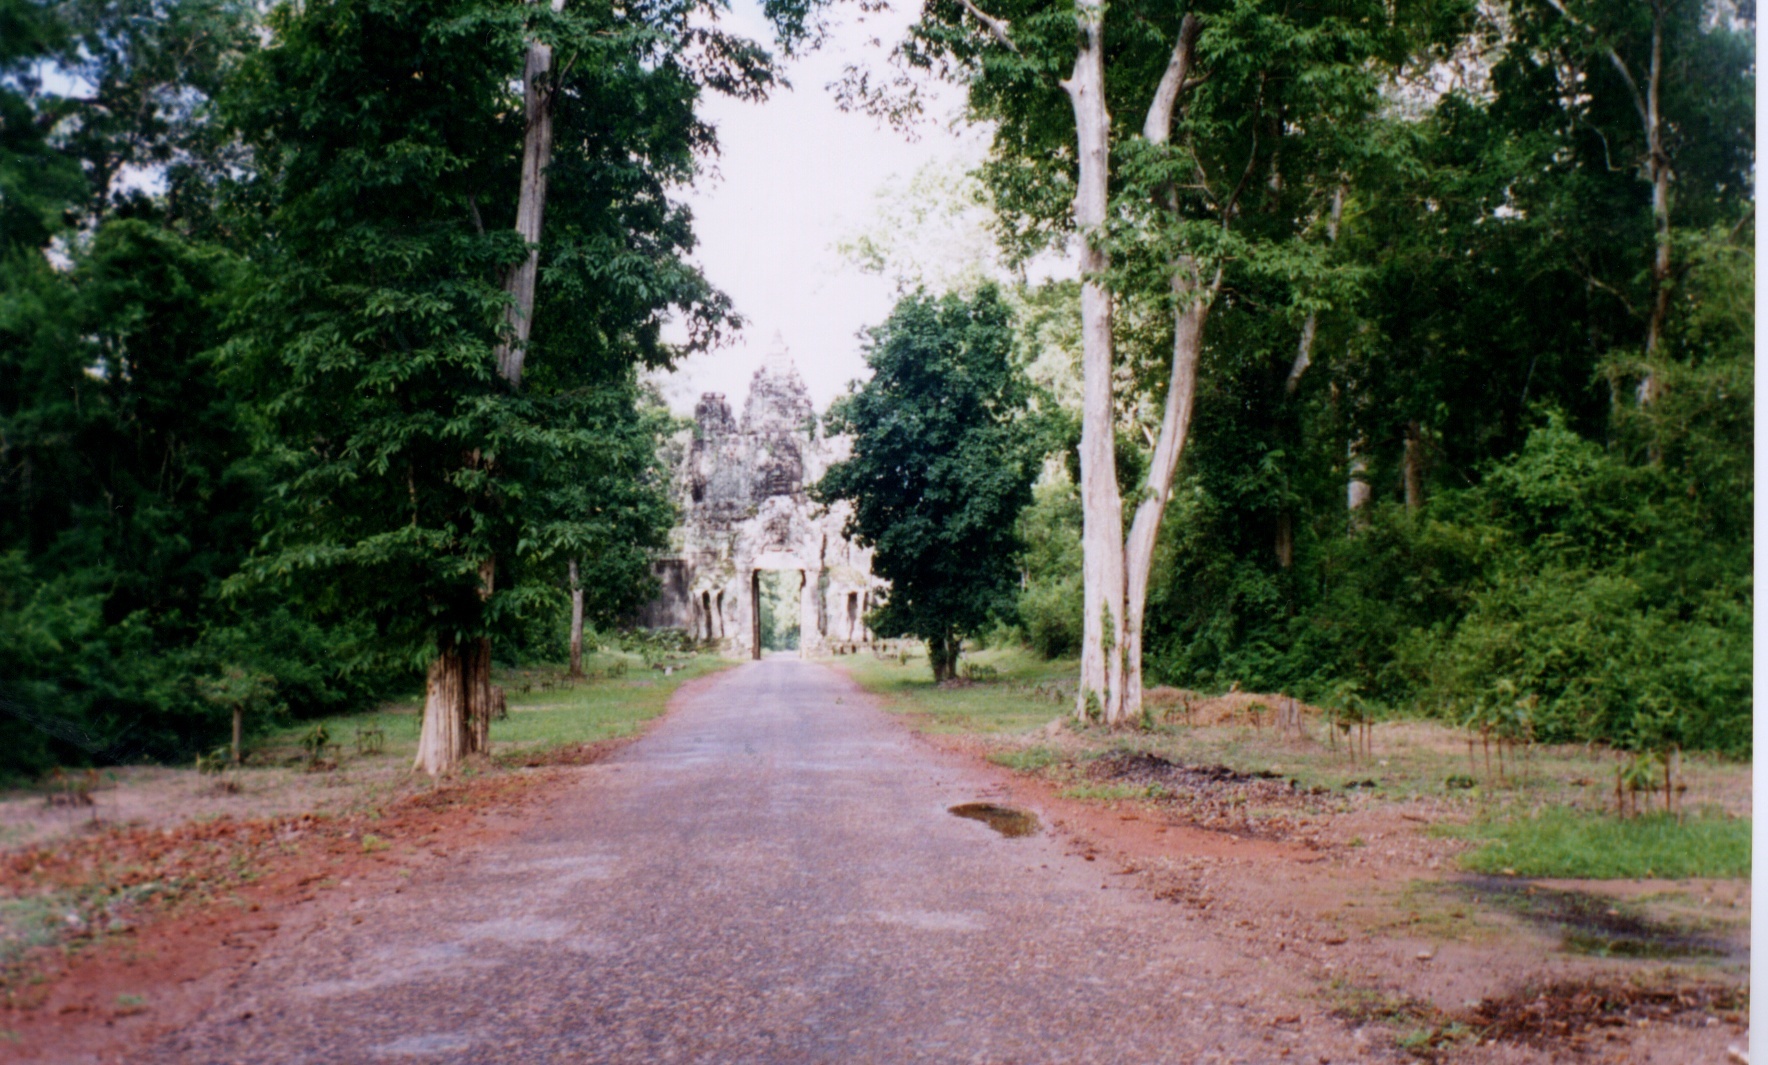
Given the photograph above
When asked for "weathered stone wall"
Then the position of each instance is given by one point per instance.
(741, 488)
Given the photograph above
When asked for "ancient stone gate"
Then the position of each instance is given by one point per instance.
(741, 488)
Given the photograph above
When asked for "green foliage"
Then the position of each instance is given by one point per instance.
(1592, 590)
(1561, 842)
(945, 448)
(1050, 601)
(778, 607)
(253, 451)
(314, 741)
(409, 479)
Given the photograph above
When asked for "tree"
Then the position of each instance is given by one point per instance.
(127, 487)
(945, 448)
(1506, 242)
(1244, 117)
(418, 483)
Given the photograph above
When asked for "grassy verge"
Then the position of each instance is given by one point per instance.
(1561, 842)
(1543, 817)
(616, 698)
(1020, 698)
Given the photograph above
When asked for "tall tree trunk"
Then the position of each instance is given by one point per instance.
(1412, 466)
(470, 694)
(1357, 490)
(1658, 169)
(537, 97)
(1283, 540)
(480, 701)
(442, 741)
(1191, 303)
(576, 623)
(1102, 642)
(1181, 390)
(459, 700)
(1304, 349)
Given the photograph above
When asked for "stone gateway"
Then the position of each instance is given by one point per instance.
(745, 513)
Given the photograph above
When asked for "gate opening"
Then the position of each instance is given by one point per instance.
(777, 596)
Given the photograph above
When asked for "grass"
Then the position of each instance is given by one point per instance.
(29, 922)
(607, 705)
(1010, 704)
(1026, 759)
(1561, 842)
(594, 710)
(1543, 818)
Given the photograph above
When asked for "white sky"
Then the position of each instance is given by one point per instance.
(796, 176)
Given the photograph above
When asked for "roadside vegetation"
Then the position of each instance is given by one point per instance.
(292, 418)
(1408, 848)
(1553, 813)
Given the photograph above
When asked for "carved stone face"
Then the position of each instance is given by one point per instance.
(713, 415)
(782, 470)
(779, 532)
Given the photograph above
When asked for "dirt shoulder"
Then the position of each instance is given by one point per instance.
(1360, 889)
(116, 933)
(151, 911)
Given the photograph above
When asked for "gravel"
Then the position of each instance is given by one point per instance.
(770, 875)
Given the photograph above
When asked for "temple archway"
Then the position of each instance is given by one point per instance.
(741, 485)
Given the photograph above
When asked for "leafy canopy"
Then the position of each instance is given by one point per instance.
(946, 444)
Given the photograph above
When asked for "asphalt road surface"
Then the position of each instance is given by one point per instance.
(771, 875)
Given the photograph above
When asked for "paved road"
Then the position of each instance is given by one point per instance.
(769, 876)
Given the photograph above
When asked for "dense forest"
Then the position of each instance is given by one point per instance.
(266, 439)
(1431, 326)
(1472, 430)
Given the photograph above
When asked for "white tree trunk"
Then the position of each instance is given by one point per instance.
(1658, 168)
(576, 623)
(1357, 491)
(1304, 349)
(442, 741)
(537, 96)
(1193, 302)
(1101, 661)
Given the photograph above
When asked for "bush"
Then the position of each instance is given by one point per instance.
(1050, 600)
(1605, 593)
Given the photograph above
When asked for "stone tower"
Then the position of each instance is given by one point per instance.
(741, 486)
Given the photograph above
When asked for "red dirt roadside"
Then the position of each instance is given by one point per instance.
(124, 977)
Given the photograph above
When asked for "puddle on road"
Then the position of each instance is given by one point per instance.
(1003, 819)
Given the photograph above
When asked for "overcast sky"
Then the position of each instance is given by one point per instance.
(796, 176)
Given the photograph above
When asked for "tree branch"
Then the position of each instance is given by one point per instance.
(999, 28)
(1258, 111)
(1614, 58)
(1157, 128)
